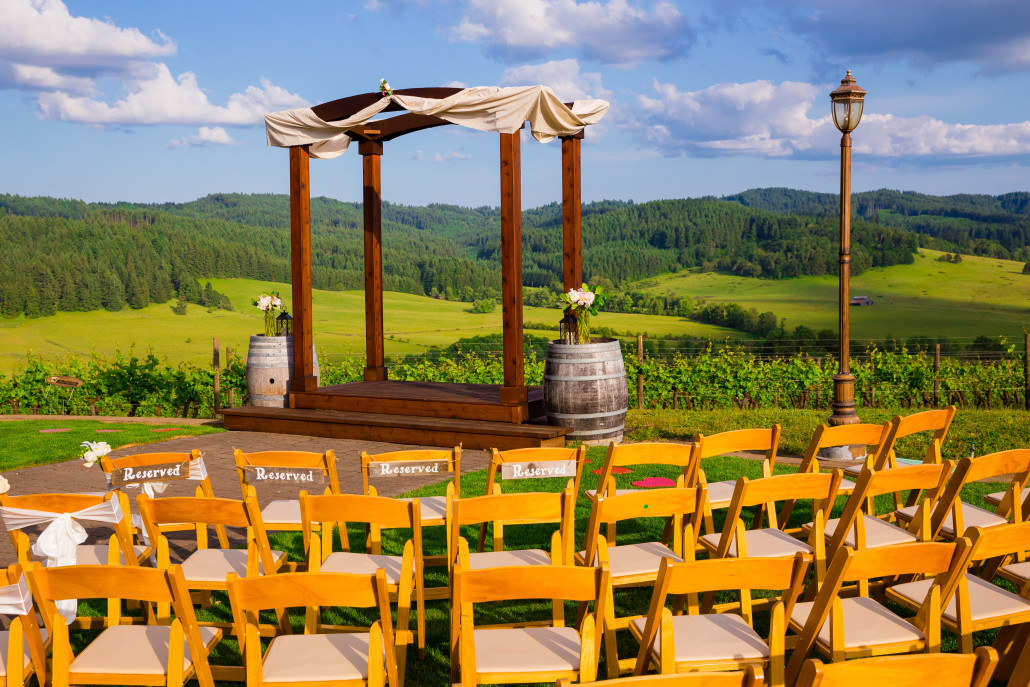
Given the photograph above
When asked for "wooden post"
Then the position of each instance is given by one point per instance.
(640, 375)
(844, 382)
(514, 390)
(218, 380)
(228, 361)
(371, 157)
(303, 378)
(936, 375)
(572, 212)
(1026, 371)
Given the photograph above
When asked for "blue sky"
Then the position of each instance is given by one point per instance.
(151, 102)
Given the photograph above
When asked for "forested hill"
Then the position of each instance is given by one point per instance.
(996, 226)
(69, 255)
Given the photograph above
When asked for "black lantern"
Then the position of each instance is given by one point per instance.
(284, 324)
(568, 328)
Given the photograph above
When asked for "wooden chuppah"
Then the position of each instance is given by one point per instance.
(479, 415)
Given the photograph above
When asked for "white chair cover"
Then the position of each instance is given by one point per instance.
(58, 542)
(16, 599)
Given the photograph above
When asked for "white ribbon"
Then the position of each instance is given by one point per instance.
(502, 110)
(57, 543)
(16, 599)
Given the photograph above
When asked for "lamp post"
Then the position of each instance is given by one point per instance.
(847, 102)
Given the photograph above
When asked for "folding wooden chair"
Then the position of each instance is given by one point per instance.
(637, 564)
(860, 626)
(971, 603)
(752, 677)
(22, 648)
(774, 541)
(196, 472)
(937, 422)
(168, 652)
(859, 529)
(501, 510)
(205, 569)
(951, 515)
(316, 657)
(705, 641)
(939, 670)
(720, 494)
(646, 453)
(878, 440)
(403, 573)
(535, 464)
(111, 509)
(527, 654)
(307, 470)
(419, 463)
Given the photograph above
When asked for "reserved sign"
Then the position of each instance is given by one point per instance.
(408, 468)
(164, 472)
(271, 473)
(539, 470)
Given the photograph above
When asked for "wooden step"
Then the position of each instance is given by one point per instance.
(401, 429)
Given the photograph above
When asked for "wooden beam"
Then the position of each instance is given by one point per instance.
(303, 378)
(514, 389)
(571, 212)
(371, 157)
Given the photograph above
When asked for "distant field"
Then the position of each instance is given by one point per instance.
(412, 324)
(977, 296)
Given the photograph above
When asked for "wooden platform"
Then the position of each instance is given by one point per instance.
(402, 429)
(424, 399)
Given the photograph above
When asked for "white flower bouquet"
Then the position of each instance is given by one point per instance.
(269, 303)
(94, 450)
(583, 302)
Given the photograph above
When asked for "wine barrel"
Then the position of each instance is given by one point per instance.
(585, 390)
(269, 368)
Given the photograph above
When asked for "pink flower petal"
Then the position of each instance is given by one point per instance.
(50, 431)
(654, 482)
(167, 429)
(615, 471)
(109, 431)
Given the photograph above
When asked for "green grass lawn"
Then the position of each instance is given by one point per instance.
(412, 324)
(26, 445)
(928, 298)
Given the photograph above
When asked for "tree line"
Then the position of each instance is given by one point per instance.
(66, 255)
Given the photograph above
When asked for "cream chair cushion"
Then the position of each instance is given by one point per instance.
(135, 650)
(212, 565)
(1020, 570)
(877, 533)
(866, 622)
(720, 494)
(972, 516)
(635, 559)
(316, 658)
(364, 564)
(767, 543)
(281, 511)
(986, 600)
(432, 507)
(526, 650)
(710, 638)
(501, 559)
(96, 554)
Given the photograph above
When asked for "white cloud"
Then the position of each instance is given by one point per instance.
(160, 98)
(563, 76)
(763, 119)
(613, 31)
(60, 58)
(206, 136)
(43, 32)
(440, 158)
(994, 34)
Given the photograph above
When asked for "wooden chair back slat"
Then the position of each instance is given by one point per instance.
(209, 511)
(716, 574)
(381, 510)
(452, 456)
(923, 558)
(289, 590)
(530, 582)
(654, 503)
(722, 443)
(303, 460)
(912, 670)
(534, 455)
(812, 485)
(103, 581)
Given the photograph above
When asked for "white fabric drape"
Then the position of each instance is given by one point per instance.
(58, 542)
(500, 110)
(16, 599)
